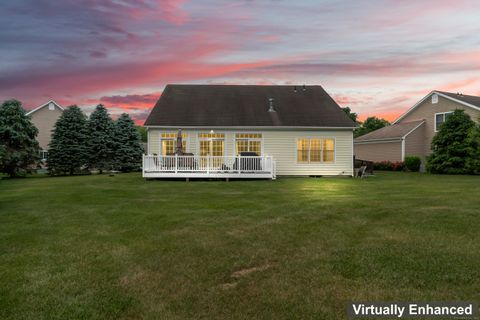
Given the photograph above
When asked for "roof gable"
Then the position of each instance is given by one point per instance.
(465, 100)
(246, 106)
(44, 105)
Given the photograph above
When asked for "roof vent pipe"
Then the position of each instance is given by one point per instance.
(295, 89)
(270, 108)
(304, 88)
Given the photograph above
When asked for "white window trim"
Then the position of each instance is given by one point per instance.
(435, 119)
(434, 98)
(253, 139)
(320, 162)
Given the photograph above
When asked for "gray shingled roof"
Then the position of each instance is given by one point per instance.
(239, 106)
(474, 100)
(395, 131)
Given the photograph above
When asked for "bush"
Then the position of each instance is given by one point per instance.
(452, 149)
(389, 166)
(412, 163)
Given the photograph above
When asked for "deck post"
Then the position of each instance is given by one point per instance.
(239, 164)
(176, 163)
(208, 164)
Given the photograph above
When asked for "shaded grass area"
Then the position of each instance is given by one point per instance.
(125, 248)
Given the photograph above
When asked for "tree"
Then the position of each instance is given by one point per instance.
(101, 142)
(371, 124)
(68, 152)
(473, 162)
(128, 153)
(143, 133)
(451, 146)
(350, 114)
(19, 150)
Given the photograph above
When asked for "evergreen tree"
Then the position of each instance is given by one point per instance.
(473, 162)
(101, 143)
(68, 151)
(128, 153)
(19, 150)
(451, 146)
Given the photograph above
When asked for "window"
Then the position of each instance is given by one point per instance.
(434, 98)
(43, 155)
(51, 106)
(315, 150)
(440, 119)
(248, 142)
(169, 143)
(212, 144)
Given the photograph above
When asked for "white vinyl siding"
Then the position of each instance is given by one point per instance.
(282, 145)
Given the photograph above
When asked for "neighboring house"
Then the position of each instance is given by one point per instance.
(248, 131)
(412, 133)
(44, 118)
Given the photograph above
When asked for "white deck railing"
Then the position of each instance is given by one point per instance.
(155, 166)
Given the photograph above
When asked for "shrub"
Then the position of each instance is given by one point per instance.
(389, 166)
(451, 146)
(412, 163)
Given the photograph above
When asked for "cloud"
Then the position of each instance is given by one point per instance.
(377, 57)
(132, 99)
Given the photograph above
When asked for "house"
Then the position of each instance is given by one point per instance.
(248, 131)
(44, 118)
(412, 133)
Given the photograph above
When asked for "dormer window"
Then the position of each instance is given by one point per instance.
(51, 106)
(434, 98)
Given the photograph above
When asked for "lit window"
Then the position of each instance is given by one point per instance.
(212, 144)
(249, 142)
(328, 150)
(211, 135)
(315, 150)
(440, 119)
(169, 143)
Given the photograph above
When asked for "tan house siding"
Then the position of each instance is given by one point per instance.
(379, 151)
(44, 119)
(426, 110)
(281, 144)
(415, 142)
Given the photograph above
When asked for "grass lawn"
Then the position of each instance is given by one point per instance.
(100, 247)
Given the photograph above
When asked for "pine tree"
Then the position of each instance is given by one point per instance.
(68, 151)
(128, 153)
(451, 146)
(101, 143)
(473, 162)
(19, 150)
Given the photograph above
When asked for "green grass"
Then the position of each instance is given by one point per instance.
(100, 247)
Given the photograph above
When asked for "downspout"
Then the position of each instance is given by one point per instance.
(403, 148)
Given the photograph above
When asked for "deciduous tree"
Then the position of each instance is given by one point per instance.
(369, 125)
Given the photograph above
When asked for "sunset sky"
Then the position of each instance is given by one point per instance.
(378, 57)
